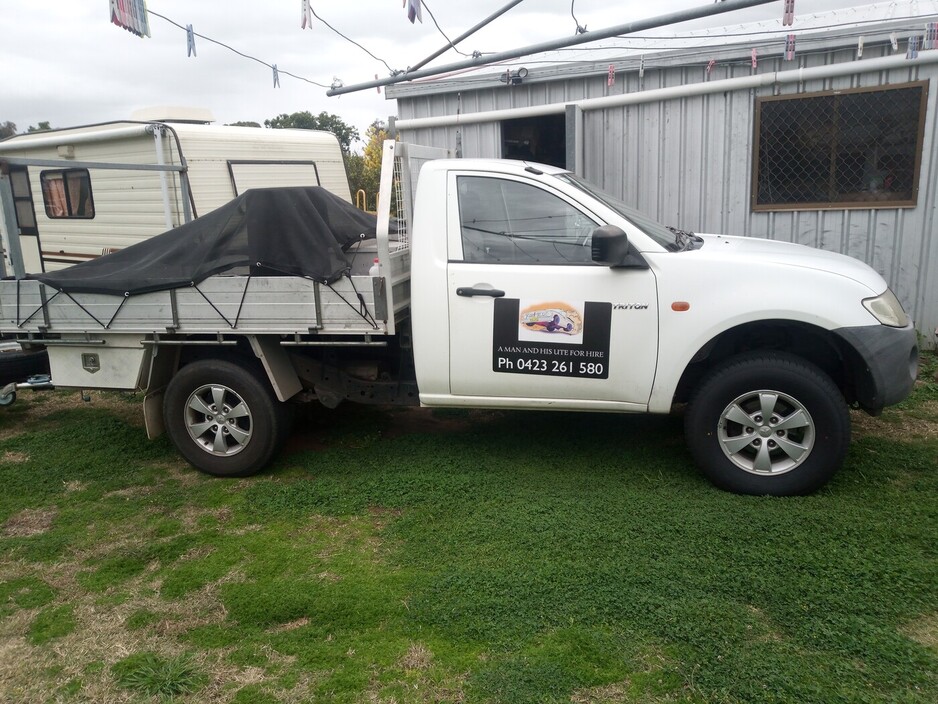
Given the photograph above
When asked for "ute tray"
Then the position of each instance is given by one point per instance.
(276, 305)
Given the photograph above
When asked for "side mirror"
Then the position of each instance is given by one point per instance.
(610, 246)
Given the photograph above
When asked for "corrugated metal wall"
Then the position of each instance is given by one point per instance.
(688, 162)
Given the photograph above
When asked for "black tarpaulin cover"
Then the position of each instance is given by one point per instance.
(297, 231)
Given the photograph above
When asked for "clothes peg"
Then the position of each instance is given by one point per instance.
(790, 47)
(755, 62)
(190, 41)
(414, 11)
(860, 48)
(611, 76)
(788, 17)
(276, 76)
(931, 36)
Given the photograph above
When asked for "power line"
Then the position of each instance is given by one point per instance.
(239, 53)
(393, 71)
(450, 41)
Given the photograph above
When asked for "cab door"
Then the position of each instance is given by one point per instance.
(533, 321)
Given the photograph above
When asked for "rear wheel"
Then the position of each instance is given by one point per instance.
(768, 424)
(18, 365)
(223, 419)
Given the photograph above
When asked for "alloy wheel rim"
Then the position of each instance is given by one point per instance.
(218, 420)
(766, 432)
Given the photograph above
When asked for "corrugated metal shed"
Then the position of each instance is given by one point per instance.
(688, 161)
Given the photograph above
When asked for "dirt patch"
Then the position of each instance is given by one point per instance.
(28, 522)
(15, 457)
(920, 424)
(416, 658)
(923, 630)
(291, 626)
(608, 694)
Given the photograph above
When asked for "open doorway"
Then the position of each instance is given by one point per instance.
(542, 139)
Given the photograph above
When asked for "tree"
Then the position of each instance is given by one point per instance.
(7, 129)
(366, 175)
(323, 121)
(41, 127)
(354, 167)
(243, 124)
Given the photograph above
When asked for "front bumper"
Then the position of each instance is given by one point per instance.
(884, 362)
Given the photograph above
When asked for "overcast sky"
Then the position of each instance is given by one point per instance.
(64, 62)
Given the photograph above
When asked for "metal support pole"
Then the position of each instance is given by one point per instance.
(476, 28)
(574, 138)
(591, 36)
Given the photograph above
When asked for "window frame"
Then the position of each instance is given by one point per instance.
(82, 173)
(19, 198)
(839, 205)
(563, 198)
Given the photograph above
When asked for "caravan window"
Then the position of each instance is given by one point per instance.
(23, 200)
(67, 193)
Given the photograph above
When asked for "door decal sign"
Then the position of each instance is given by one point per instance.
(551, 338)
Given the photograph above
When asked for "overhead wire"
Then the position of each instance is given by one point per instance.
(239, 53)
(448, 40)
(809, 38)
(393, 71)
(580, 29)
(280, 71)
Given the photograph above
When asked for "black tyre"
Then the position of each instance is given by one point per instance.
(768, 423)
(19, 364)
(224, 418)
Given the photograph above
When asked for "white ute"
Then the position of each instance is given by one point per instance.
(508, 285)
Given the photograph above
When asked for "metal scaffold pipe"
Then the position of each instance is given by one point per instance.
(591, 36)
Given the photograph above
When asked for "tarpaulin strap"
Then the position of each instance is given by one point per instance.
(41, 306)
(244, 294)
(126, 296)
(90, 314)
(362, 310)
(222, 315)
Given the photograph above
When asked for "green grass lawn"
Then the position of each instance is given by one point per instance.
(399, 556)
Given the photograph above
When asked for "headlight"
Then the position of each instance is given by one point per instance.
(887, 309)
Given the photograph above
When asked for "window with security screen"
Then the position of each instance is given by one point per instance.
(845, 149)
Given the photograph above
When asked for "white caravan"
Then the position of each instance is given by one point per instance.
(85, 191)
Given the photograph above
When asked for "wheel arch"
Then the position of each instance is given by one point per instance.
(826, 350)
(261, 355)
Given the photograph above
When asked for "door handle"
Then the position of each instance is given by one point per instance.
(472, 291)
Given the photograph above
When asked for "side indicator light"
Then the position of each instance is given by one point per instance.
(680, 306)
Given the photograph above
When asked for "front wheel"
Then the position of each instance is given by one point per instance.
(768, 424)
(223, 419)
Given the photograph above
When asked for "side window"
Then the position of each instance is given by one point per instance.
(508, 222)
(67, 193)
(23, 200)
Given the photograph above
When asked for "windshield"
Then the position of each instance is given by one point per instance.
(664, 236)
